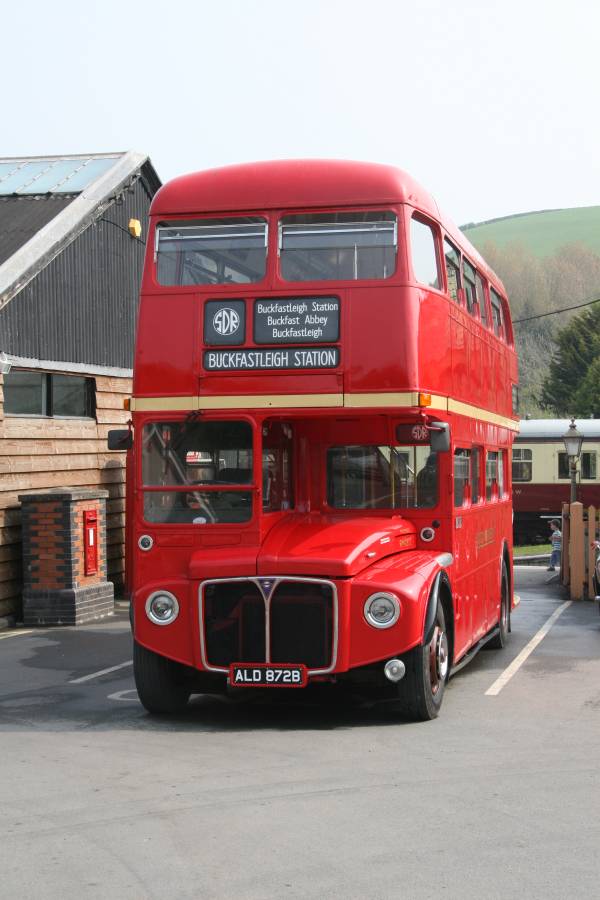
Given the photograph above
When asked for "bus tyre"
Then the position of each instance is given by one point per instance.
(158, 682)
(427, 666)
(499, 640)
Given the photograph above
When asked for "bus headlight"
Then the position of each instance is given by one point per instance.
(162, 608)
(382, 610)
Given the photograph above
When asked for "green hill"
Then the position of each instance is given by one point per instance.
(541, 232)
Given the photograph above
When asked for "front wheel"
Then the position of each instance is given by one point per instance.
(159, 682)
(427, 666)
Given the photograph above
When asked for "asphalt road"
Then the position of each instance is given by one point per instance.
(498, 798)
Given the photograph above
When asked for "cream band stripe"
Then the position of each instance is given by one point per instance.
(320, 401)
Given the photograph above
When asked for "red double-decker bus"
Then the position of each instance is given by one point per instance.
(323, 405)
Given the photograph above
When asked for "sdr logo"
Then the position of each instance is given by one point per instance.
(226, 321)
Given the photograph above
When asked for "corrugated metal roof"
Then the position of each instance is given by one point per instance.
(22, 217)
(87, 182)
(52, 174)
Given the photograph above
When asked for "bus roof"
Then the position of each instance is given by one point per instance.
(301, 183)
(288, 184)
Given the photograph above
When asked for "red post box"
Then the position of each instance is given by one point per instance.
(90, 541)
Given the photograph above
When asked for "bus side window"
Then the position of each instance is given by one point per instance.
(481, 300)
(491, 475)
(469, 283)
(476, 455)
(462, 490)
(423, 253)
(452, 257)
(497, 317)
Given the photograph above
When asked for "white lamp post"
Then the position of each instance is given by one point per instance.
(573, 440)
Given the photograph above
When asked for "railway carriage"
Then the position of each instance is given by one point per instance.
(541, 477)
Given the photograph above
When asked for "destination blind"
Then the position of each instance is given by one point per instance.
(291, 320)
(292, 358)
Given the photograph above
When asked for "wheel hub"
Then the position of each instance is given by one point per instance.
(438, 659)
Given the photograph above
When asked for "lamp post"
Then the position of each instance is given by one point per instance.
(573, 440)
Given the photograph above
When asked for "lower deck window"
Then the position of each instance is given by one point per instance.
(372, 477)
(197, 507)
(194, 455)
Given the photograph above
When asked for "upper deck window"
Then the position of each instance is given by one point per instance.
(211, 251)
(497, 314)
(470, 287)
(452, 269)
(480, 290)
(423, 253)
(338, 246)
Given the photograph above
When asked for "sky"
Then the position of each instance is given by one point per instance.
(493, 106)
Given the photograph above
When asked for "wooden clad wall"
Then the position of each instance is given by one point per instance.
(38, 453)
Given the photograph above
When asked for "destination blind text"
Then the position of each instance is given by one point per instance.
(297, 358)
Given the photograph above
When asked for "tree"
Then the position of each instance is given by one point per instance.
(578, 346)
(586, 402)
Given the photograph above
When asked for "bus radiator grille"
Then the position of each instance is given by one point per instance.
(301, 623)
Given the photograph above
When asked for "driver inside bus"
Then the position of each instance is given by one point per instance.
(427, 482)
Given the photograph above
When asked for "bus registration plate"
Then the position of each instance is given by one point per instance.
(267, 675)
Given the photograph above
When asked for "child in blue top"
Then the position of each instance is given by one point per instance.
(556, 542)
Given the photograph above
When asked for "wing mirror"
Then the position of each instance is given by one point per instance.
(440, 437)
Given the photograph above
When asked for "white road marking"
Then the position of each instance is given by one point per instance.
(518, 661)
(4, 637)
(121, 696)
(101, 672)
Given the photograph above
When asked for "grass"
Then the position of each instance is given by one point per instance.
(531, 550)
(541, 232)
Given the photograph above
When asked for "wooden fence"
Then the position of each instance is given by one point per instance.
(580, 530)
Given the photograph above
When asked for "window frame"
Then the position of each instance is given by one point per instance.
(522, 460)
(393, 214)
(458, 299)
(496, 303)
(471, 300)
(250, 487)
(435, 234)
(48, 395)
(562, 457)
(189, 222)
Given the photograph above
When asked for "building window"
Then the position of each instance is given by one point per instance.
(522, 464)
(47, 394)
(587, 466)
(424, 257)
